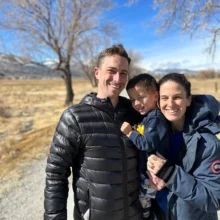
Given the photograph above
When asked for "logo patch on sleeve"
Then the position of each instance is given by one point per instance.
(215, 167)
(140, 129)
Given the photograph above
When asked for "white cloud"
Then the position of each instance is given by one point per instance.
(175, 52)
(50, 62)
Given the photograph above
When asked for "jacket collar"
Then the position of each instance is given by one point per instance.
(105, 104)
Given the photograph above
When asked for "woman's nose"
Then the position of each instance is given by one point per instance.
(170, 102)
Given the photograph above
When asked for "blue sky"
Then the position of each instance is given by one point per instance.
(164, 50)
(138, 32)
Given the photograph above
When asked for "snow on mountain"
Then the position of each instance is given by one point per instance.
(14, 67)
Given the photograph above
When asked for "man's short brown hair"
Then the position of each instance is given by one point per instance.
(116, 49)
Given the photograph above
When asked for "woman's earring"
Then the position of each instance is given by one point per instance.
(158, 104)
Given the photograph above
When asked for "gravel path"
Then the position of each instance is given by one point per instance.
(25, 202)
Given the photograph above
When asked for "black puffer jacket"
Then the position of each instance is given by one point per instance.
(103, 161)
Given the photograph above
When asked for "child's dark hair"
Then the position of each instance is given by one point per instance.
(146, 80)
(177, 78)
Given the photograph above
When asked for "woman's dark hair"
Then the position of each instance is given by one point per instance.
(177, 78)
(145, 79)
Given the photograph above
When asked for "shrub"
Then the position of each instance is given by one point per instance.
(207, 74)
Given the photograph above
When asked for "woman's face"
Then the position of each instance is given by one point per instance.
(173, 103)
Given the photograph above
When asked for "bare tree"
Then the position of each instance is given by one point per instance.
(195, 17)
(87, 52)
(191, 16)
(55, 26)
(88, 60)
(135, 60)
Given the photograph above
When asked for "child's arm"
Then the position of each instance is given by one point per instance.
(154, 136)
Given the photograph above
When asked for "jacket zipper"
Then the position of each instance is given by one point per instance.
(124, 166)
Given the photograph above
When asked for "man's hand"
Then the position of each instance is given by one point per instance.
(126, 129)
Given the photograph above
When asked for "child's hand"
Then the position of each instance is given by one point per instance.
(155, 163)
(126, 129)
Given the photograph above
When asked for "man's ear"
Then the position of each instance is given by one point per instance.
(96, 71)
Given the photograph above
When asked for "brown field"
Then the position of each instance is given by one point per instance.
(29, 112)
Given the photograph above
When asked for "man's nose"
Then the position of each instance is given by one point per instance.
(116, 77)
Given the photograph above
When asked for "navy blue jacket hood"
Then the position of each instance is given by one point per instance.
(203, 113)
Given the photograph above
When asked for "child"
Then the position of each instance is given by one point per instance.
(151, 135)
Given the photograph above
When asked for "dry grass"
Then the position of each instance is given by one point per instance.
(206, 86)
(29, 112)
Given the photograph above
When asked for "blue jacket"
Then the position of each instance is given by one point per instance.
(195, 184)
(155, 133)
(154, 138)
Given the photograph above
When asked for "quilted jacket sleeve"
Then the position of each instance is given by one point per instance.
(64, 148)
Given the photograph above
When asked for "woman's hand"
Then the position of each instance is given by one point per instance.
(155, 163)
(126, 129)
(155, 182)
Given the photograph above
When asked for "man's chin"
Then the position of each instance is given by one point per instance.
(115, 93)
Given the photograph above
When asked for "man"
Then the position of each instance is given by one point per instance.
(103, 160)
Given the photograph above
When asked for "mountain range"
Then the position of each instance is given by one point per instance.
(14, 67)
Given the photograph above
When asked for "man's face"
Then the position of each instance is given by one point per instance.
(112, 76)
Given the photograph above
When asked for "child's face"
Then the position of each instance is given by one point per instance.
(142, 100)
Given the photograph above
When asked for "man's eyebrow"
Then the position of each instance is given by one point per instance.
(125, 71)
(113, 68)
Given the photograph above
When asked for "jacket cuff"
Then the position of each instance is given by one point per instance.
(166, 172)
(134, 135)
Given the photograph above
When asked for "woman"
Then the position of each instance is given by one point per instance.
(191, 170)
